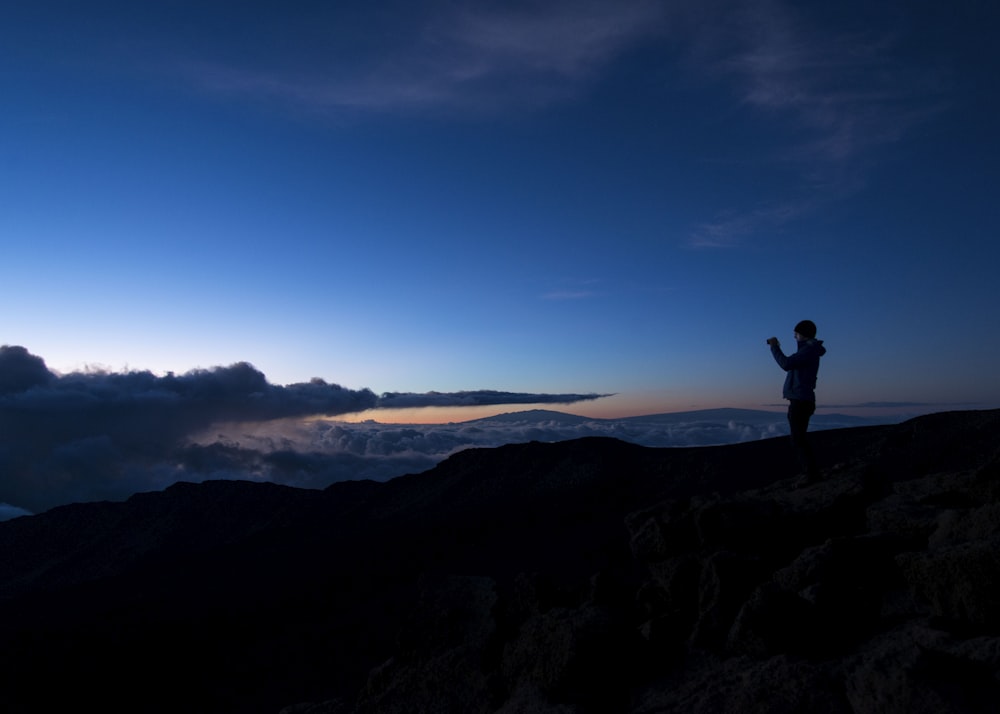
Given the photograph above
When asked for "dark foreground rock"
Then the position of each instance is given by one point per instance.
(582, 576)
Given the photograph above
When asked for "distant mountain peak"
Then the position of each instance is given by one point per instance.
(531, 416)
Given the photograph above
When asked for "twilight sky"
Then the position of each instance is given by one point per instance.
(604, 196)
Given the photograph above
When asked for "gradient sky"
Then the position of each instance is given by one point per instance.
(546, 197)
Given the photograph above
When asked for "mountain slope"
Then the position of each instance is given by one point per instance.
(588, 575)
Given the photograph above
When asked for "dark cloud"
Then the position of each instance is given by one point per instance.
(101, 435)
(483, 397)
(21, 370)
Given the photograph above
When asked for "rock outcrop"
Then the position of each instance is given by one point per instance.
(576, 577)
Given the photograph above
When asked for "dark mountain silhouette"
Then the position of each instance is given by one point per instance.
(582, 576)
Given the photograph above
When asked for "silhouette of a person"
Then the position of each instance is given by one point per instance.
(799, 389)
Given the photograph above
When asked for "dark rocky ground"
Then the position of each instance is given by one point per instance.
(582, 576)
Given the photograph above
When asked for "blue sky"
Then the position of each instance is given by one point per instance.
(542, 197)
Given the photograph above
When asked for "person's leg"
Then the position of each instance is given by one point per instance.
(799, 413)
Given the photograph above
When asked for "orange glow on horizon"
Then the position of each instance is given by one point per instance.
(617, 406)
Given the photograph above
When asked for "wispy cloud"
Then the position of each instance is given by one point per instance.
(579, 288)
(567, 39)
(844, 86)
(730, 230)
(470, 56)
(847, 89)
(834, 93)
(839, 93)
(568, 295)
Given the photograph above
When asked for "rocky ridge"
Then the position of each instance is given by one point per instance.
(582, 576)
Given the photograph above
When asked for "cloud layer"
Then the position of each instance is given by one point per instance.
(316, 453)
(100, 435)
(105, 436)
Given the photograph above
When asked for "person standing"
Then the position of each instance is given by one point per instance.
(799, 389)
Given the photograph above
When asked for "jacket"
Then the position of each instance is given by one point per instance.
(801, 368)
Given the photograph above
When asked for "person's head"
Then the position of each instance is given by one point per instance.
(805, 330)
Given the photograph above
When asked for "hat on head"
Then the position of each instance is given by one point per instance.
(806, 328)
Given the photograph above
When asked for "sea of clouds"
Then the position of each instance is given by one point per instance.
(96, 435)
(315, 453)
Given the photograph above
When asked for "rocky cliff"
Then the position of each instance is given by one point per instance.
(582, 576)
